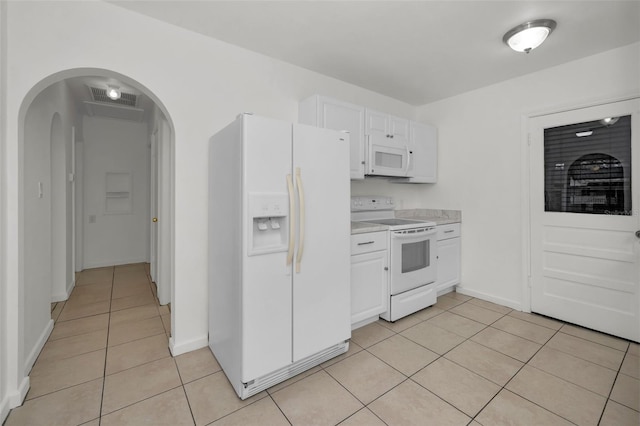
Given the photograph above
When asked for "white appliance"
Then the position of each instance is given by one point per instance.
(279, 250)
(385, 159)
(412, 256)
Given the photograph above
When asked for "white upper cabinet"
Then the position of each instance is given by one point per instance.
(411, 148)
(423, 148)
(381, 126)
(321, 111)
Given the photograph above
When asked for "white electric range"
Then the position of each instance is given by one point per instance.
(412, 255)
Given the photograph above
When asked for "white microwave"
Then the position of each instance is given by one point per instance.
(386, 160)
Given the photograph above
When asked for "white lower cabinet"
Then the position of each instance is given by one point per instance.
(369, 277)
(448, 256)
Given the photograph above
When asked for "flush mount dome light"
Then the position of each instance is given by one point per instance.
(113, 92)
(526, 37)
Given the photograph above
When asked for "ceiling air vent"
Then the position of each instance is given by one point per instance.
(126, 99)
(103, 109)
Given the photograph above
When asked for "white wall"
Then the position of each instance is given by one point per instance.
(481, 147)
(37, 221)
(202, 85)
(45, 230)
(118, 146)
(5, 357)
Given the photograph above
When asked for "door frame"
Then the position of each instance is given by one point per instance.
(525, 163)
(153, 206)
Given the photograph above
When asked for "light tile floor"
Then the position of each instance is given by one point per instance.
(462, 361)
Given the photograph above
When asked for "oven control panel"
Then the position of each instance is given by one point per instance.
(360, 203)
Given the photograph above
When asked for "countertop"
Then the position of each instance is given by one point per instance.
(440, 217)
(363, 227)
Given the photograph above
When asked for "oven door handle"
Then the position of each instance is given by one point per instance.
(422, 232)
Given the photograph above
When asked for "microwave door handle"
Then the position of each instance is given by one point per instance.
(408, 161)
(369, 154)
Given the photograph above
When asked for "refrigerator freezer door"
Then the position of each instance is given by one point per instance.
(266, 279)
(321, 288)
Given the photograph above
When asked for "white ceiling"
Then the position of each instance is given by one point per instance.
(414, 51)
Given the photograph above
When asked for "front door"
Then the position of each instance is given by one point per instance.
(585, 213)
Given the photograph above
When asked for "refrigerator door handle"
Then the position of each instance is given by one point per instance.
(302, 220)
(292, 220)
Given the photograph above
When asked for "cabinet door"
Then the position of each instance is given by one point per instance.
(369, 292)
(423, 146)
(399, 131)
(338, 115)
(448, 263)
(328, 113)
(376, 123)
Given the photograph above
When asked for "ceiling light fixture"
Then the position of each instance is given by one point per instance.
(526, 37)
(113, 92)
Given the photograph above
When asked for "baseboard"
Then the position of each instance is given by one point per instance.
(33, 355)
(71, 286)
(13, 399)
(4, 409)
(103, 263)
(490, 298)
(191, 345)
(61, 297)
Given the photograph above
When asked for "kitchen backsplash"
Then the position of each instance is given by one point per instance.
(451, 215)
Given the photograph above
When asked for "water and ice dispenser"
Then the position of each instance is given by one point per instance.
(268, 223)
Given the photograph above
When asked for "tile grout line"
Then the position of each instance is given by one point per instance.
(504, 387)
(106, 350)
(613, 385)
(279, 409)
(410, 377)
(182, 384)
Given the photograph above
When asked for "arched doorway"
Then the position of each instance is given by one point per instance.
(53, 188)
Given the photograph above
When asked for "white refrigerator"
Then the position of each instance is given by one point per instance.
(279, 249)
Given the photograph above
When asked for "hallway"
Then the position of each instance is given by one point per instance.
(108, 350)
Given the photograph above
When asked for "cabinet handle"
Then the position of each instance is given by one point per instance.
(449, 231)
(368, 242)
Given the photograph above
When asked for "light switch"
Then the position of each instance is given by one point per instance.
(92, 218)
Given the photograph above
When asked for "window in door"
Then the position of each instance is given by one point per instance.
(588, 167)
